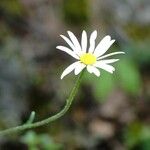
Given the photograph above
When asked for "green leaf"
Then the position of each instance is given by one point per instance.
(102, 85)
(128, 76)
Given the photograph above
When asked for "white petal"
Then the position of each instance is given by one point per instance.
(108, 61)
(75, 42)
(92, 41)
(92, 69)
(103, 46)
(84, 41)
(69, 69)
(79, 68)
(68, 42)
(111, 54)
(67, 50)
(104, 66)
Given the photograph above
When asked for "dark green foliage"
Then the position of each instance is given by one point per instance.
(137, 136)
(41, 141)
(11, 7)
(76, 12)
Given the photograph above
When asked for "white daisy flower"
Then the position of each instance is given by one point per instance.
(90, 58)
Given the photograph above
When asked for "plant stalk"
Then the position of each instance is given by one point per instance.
(50, 119)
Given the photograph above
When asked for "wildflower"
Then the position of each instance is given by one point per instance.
(91, 58)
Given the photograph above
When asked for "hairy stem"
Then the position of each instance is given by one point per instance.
(50, 119)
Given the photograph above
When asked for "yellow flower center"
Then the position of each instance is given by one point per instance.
(88, 58)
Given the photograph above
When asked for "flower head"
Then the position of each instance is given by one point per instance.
(90, 58)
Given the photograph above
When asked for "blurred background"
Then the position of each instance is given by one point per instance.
(111, 112)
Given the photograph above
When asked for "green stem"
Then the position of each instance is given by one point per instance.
(50, 119)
